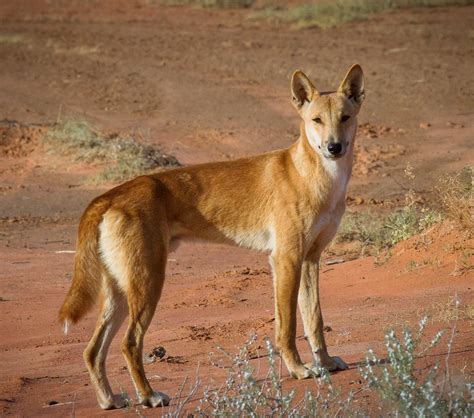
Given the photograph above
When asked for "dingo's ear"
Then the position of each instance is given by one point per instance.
(302, 89)
(353, 84)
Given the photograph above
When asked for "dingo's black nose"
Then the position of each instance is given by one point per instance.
(335, 148)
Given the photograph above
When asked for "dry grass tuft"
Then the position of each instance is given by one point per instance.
(456, 196)
(452, 310)
(11, 38)
(215, 4)
(126, 157)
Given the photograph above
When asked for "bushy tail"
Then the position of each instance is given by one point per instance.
(86, 282)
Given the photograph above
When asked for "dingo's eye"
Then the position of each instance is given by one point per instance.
(345, 117)
(318, 120)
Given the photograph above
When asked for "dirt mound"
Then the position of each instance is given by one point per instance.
(440, 246)
(18, 140)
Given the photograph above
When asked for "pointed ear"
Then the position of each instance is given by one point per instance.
(353, 85)
(302, 89)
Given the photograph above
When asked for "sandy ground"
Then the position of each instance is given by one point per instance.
(209, 85)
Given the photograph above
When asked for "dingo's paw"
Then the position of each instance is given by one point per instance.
(331, 364)
(115, 402)
(313, 369)
(300, 372)
(157, 399)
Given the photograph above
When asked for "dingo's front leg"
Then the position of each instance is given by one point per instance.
(310, 308)
(287, 273)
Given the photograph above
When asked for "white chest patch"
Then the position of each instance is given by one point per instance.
(260, 240)
(339, 172)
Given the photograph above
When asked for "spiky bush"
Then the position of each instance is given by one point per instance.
(399, 387)
(247, 394)
(402, 390)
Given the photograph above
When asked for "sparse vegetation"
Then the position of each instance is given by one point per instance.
(456, 196)
(125, 157)
(451, 310)
(409, 221)
(328, 13)
(381, 232)
(403, 391)
(10, 38)
(378, 232)
(398, 384)
(246, 393)
(217, 4)
(463, 264)
(364, 226)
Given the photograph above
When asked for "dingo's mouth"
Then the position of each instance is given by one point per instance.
(334, 157)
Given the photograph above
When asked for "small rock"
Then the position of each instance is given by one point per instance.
(425, 125)
(359, 200)
(327, 328)
(153, 355)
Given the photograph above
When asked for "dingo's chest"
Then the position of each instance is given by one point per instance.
(327, 220)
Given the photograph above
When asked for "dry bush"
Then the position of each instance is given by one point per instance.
(125, 157)
(456, 197)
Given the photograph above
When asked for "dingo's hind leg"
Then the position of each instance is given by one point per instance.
(144, 291)
(112, 315)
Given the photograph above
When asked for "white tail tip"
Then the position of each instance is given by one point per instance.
(67, 326)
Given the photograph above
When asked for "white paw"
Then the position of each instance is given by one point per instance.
(157, 399)
(115, 402)
(331, 364)
(301, 372)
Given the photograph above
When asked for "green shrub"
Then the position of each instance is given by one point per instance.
(381, 232)
(409, 221)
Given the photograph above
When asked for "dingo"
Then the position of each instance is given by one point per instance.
(287, 202)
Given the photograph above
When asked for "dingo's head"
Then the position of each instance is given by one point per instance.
(329, 118)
